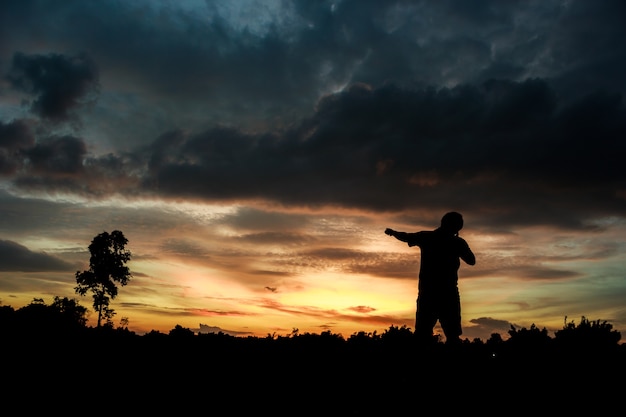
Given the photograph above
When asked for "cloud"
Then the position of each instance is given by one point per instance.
(362, 309)
(183, 247)
(485, 326)
(15, 137)
(59, 83)
(15, 257)
(206, 329)
(516, 139)
(58, 156)
(513, 144)
(387, 142)
(255, 72)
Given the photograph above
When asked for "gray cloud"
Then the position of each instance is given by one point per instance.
(206, 329)
(59, 83)
(512, 144)
(484, 327)
(15, 137)
(183, 247)
(15, 257)
(214, 58)
(57, 156)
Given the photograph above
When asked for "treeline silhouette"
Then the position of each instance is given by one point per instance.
(51, 351)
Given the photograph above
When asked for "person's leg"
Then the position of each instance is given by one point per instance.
(425, 320)
(451, 317)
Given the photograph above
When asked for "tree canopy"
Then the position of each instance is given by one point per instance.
(107, 267)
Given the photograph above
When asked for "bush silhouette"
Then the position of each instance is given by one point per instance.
(364, 374)
(587, 335)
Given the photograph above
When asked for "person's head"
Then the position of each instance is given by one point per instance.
(452, 222)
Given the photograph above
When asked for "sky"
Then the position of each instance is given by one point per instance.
(253, 153)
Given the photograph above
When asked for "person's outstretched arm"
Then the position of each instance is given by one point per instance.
(402, 236)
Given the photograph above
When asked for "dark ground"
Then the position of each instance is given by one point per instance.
(299, 376)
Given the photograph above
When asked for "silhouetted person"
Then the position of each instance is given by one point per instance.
(438, 292)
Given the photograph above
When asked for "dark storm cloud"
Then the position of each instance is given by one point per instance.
(181, 54)
(274, 71)
(365, 147)
(449, 105)
(58, 155)
(15, 257)
(62, 164)
(55, 164)
(513, 143)
(59, 83)
(15, 138)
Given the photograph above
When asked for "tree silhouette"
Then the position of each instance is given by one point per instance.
(70, 310)
(107, 266)
(180, 332)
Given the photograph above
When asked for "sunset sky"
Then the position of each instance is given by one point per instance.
(254, 151)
